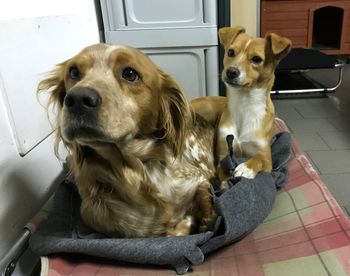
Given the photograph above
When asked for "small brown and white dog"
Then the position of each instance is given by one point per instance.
(141, 161)
(248, 74)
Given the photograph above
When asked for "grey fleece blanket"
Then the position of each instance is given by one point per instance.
(241, 208)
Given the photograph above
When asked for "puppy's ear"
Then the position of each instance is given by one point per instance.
(227, 35)
(276, 47)
(174, 114)
(54, 85)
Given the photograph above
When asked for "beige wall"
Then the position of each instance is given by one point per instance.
(244, 12)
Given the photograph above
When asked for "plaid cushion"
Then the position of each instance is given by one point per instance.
(307, 233)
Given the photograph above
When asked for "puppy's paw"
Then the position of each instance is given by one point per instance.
(243, 171)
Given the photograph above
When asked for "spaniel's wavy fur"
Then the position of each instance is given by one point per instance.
(141, 161)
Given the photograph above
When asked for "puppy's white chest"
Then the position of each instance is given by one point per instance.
(247, 110)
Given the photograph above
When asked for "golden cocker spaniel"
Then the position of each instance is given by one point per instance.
(141, 160)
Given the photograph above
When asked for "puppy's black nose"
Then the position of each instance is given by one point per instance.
(232, 73)
(82, 98)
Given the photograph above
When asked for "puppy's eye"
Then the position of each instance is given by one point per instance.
(256, 59)
(130, 74)
(74, 73)
(231, 53)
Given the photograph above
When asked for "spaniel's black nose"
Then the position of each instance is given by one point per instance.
(82, 99)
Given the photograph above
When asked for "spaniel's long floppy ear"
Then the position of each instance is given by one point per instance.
(276, 48)
(227, 35)
(174, 114)
(54, 85)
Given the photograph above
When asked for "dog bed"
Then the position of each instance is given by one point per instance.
(241, 208)
(290, 77)
(306, 233)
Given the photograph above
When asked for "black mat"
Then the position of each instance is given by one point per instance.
(304, 59)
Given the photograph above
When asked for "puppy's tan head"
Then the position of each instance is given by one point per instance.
(250, 62)
(111, 93)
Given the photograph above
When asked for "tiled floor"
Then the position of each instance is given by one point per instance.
(322, 129)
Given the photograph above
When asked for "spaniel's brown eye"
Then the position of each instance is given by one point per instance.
(231, 53)
(74, 73)
(256, 59)
(130, 74)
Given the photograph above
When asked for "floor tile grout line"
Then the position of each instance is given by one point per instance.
(333, 123)
(337, 128)
(341, 173)
(313, 163)
(294, 107)
(318, 134)
(338, 132)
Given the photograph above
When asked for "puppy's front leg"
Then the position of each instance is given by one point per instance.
(222, 148)
(221, 152)
(261, 161)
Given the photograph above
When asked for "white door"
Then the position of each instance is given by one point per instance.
(35, 35)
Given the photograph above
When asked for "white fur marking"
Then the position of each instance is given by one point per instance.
(247, 108)
(203, 166)
(247, 44)
(189, 221)
(242, 75)
(192, 152)
(111, 49)
(195, 151)
(224, 131)
(174, 189)
(242, 55)
(243, 171)
(102, 59)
